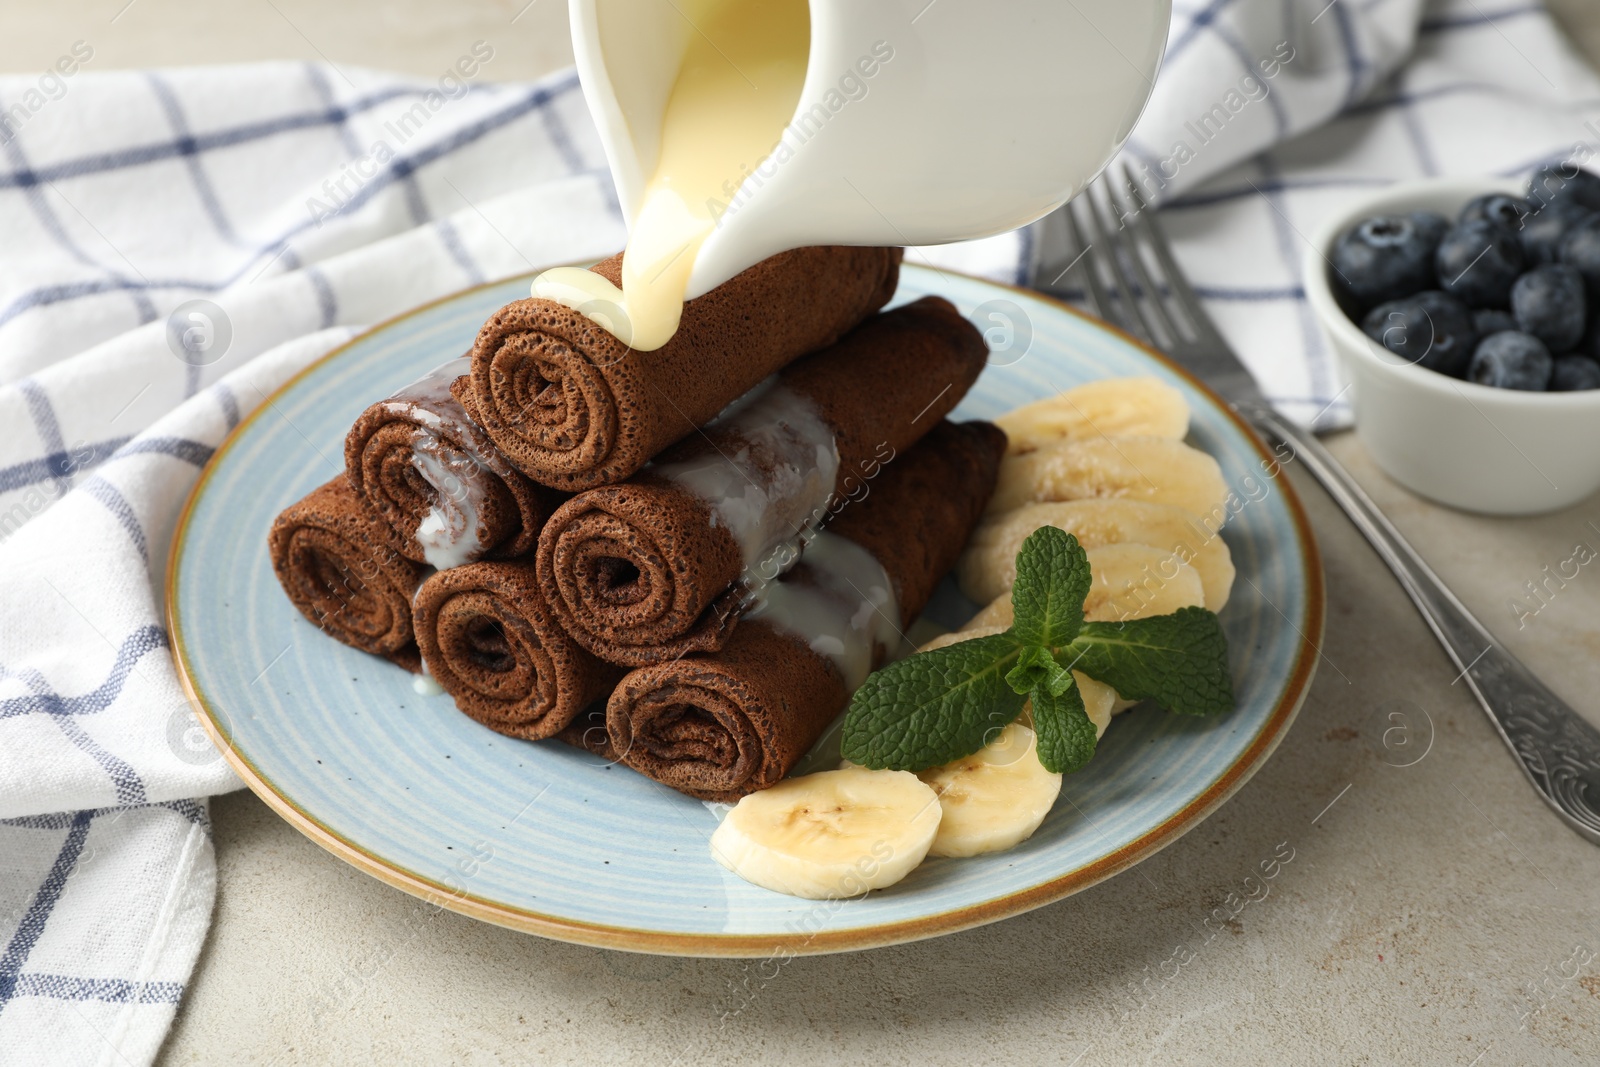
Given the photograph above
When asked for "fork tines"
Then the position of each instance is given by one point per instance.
(1127, 268)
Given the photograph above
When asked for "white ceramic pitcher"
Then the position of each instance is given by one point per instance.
(920, 121)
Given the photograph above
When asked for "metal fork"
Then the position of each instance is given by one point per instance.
(1108, 241)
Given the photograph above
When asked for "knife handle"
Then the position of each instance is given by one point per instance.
(1555, 747)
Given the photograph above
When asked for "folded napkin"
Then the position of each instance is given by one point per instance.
(257, 189)
(300, 203)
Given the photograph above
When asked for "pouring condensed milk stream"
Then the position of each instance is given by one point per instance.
(739, 129)
(736, 90)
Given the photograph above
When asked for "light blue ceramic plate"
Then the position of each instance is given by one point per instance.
(547, 839)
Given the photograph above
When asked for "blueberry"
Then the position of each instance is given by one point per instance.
(1385, 258)
(1492, 320)
(1477, 262)
(1581, 248)
(1548, 303)
(1506, 212)
(1572, 373)
(1555, 182)
(1543, 230)
(1511, 360)
(1431, 329)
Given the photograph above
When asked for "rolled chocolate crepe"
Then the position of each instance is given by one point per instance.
(434, 476)
(335, 560)
(645, 571)
(572, 407)
(722, 725)
(487, 638)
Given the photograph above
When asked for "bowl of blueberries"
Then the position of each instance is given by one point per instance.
(1467, 317)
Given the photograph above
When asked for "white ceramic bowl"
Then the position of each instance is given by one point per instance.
(1497, 451)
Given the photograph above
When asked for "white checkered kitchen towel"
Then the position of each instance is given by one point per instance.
(307, 201)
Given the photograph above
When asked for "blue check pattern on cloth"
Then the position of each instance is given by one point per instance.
(259, 188)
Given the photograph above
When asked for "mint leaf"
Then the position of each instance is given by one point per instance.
(1037, 667)
(939, 706)
(1180, 660)
(932, 707)
(1052, 583)
(1066, 736)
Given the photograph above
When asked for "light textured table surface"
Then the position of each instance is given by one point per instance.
(1432, 913)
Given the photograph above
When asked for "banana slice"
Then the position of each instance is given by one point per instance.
(1099, 700)
(994, 798)
(831, 834)
(1153, 469)
(1138, 582)
(989, 565)
(1112, 407)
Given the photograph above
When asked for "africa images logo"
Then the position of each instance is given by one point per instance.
(199, 332)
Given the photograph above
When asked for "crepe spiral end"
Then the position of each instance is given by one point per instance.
(722, 727)
(336, 566)
(476, 503)
(606, 568)
(488, 641)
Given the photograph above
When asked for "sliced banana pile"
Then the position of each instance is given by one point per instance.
(1105, 462)
(843, 833)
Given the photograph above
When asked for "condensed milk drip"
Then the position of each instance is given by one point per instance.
(736, 90)
(772, 488)
(839, 601)
(424, 686)
(448, 534)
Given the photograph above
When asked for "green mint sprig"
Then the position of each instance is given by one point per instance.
(937, 706)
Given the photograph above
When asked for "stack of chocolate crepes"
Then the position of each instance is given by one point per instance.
(684, 560)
